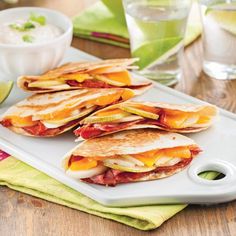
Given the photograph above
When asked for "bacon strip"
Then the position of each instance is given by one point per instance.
(102, 128)
(26, 84)
(74, 159)
(40, 130)
(94, 130)
(113, 177)
(89, 83)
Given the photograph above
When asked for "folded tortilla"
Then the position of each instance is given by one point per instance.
(51, 114)
(103, 74)
(130, 156)
(188, 118)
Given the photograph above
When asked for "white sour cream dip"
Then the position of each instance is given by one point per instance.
(37, 34)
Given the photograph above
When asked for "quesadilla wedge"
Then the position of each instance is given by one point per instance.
(103, 74)
(135, 115)
(130, 156)
(51, 114)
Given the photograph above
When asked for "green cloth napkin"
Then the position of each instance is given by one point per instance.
(21, 177)
(101, 23)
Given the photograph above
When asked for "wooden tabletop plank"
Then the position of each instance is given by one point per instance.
(23, 215)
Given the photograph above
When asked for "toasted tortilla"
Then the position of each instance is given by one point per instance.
(101, 67)
(202, 110)
(130, 142)
(51, 106)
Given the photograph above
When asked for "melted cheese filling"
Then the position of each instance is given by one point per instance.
(184, 119)
(148, 159)
(61, 117)
(172, 119)
(122, 77)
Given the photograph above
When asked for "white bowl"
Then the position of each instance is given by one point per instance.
(33, 59)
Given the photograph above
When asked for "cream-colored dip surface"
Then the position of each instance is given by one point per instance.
(26, 31)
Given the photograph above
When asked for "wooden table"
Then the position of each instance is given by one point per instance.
(22, 215)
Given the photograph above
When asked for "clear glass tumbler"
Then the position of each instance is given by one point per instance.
(157, 30)
(219, 38)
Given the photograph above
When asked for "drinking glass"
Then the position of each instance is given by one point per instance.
(219, 38)
(157, 30)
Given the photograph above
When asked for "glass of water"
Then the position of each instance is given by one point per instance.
(157, 30)
(219, 38)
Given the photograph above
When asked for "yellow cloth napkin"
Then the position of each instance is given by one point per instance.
(21, 177)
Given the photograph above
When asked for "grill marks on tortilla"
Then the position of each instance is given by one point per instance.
(83, 67)
(86, 66)
(47, 103)
(130, 142)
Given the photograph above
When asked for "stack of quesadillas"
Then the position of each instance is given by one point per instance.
(68, 93)
(124, 142)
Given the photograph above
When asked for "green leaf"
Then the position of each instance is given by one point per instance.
(27, 38)
(39, 19)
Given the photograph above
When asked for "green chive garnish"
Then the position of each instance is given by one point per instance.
(22, 28)
(28, 38)
(38, 18)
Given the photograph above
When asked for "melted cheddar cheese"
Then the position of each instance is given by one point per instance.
(99, 71)
(18, 121)
(204, 120)
(105, 100)
(180, 120)
(123, 77)
(148, 158)
(147, 108)
(80, 77)
(59, 116)
(84, 164)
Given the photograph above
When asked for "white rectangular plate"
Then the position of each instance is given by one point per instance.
(219, 154)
